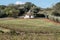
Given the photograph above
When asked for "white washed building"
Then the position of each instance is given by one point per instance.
(29, 15)
(26, 16)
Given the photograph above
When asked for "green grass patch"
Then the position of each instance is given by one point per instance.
(30, 25)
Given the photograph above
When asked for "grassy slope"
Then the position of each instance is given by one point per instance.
(30, 25)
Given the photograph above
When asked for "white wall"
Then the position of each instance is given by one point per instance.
(27, 16)
(32, 16)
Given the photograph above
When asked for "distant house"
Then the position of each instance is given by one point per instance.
(26, 16)
(29, 14)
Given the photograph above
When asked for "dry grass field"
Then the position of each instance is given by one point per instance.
(29, 29)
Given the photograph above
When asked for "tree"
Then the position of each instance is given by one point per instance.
(35, 10)
(2, 7)
(55, 13)
(11, 12)
(57, 7)
(2, 14)
(28, 5)
(14, 13)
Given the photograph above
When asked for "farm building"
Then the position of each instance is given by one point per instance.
(29, 14)
(44, 13)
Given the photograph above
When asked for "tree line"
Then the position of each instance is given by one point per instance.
(13, 10)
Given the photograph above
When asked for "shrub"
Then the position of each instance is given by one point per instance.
(2, 14)
(1, 31)
(55, 18)
(58, 18)
(50, 17)
(55, 13)
(13, 32)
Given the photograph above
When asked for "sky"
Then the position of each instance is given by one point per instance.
(39, 3)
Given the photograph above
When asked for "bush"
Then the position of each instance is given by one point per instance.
(1, 31)
(55, 13)
(13, 32)
(2, 14)
(58, 18)
(50, 17)
(54, 18)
